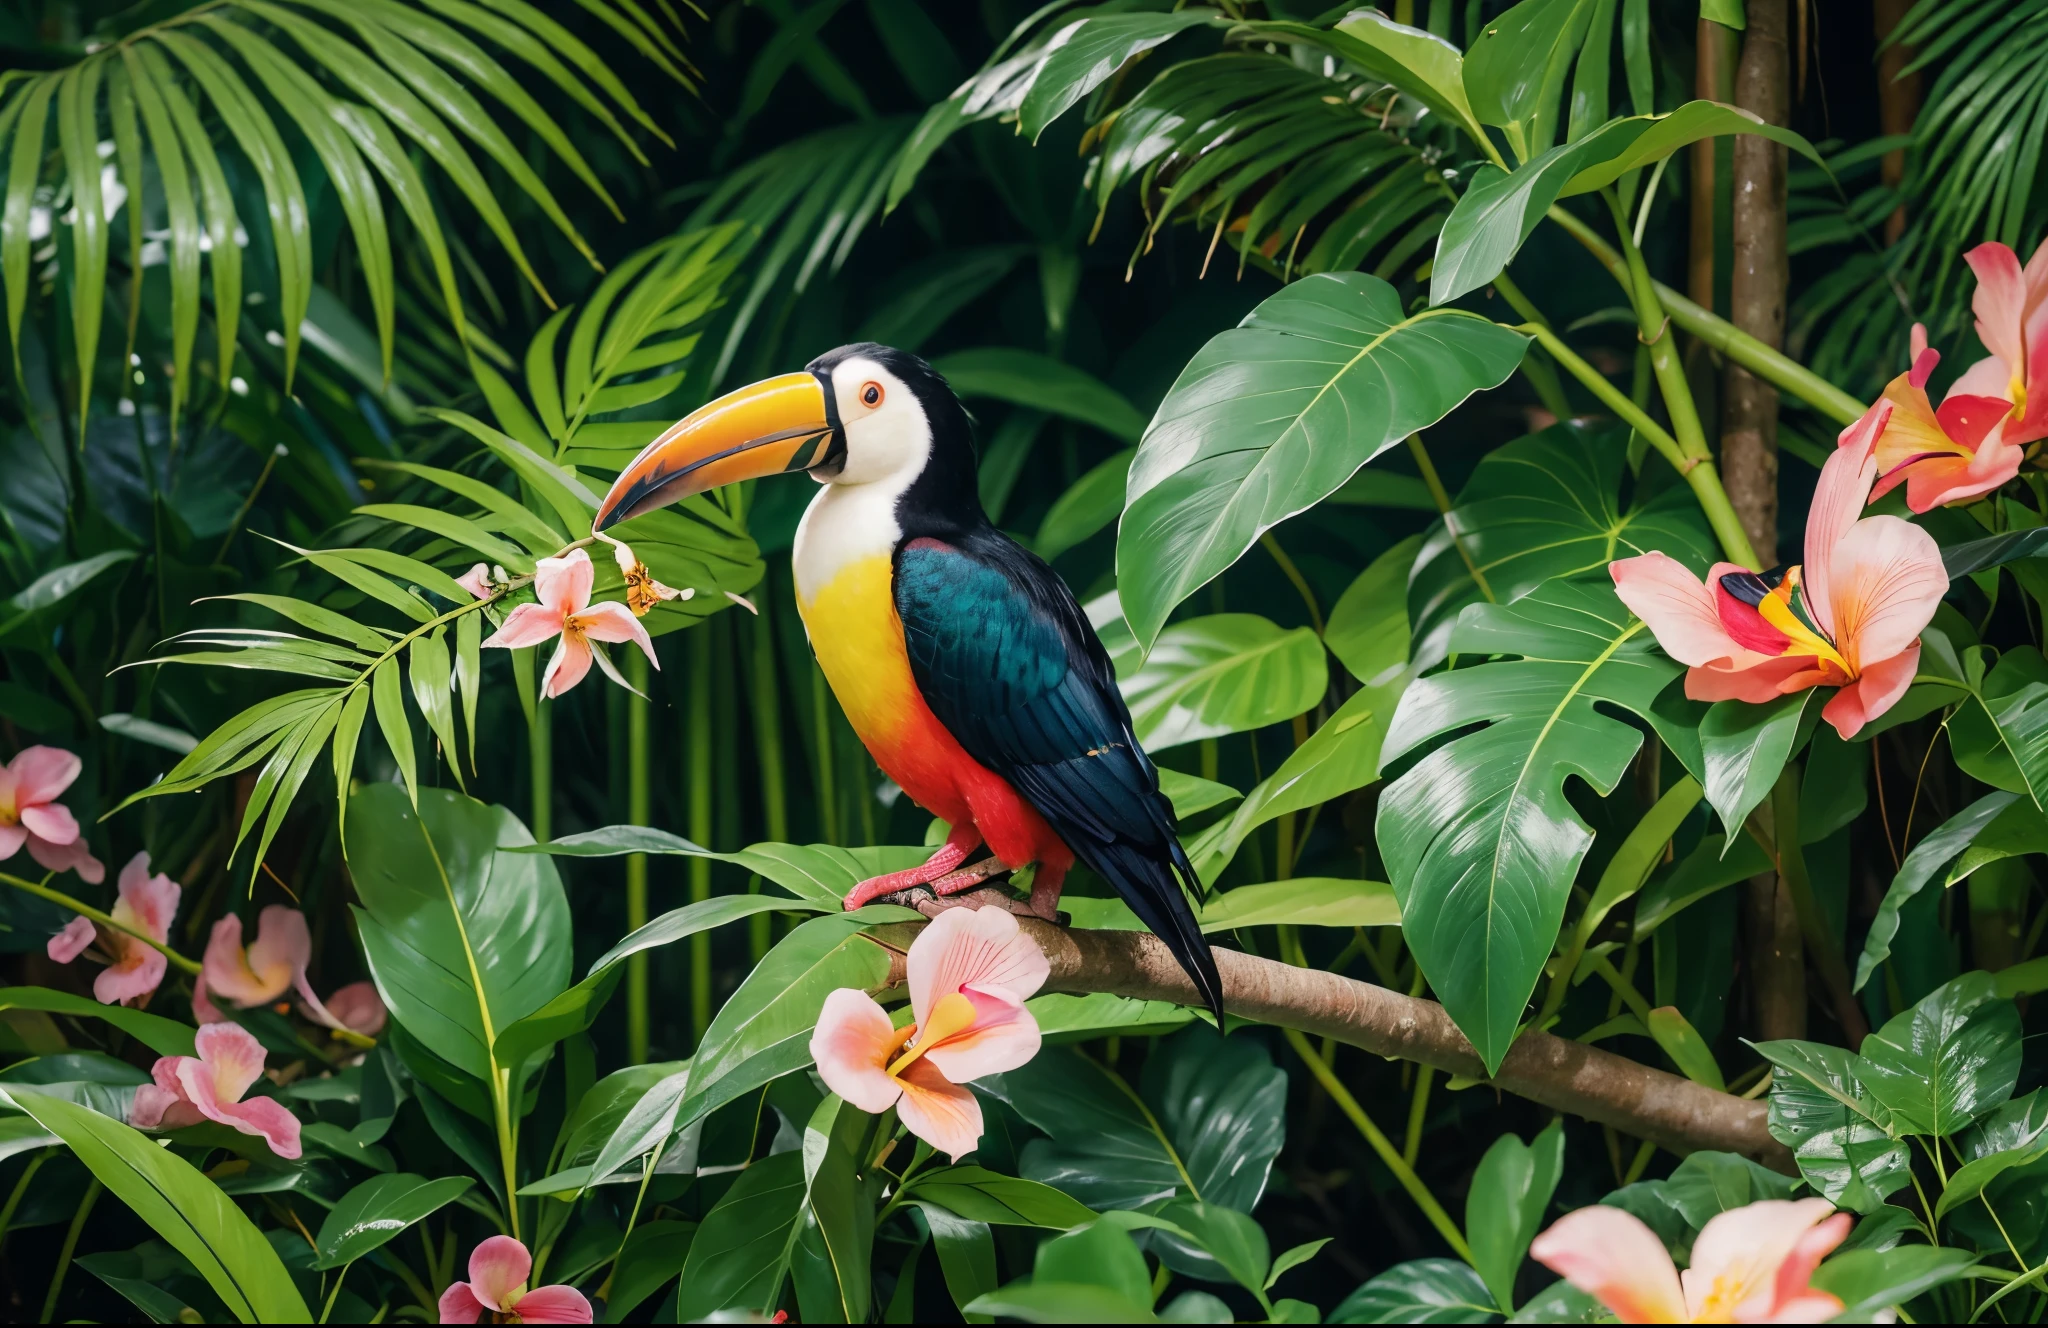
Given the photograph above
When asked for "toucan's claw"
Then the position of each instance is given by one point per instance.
(952, 883)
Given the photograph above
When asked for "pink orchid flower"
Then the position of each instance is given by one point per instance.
(209, 1086)
(1850, 618)
(969, 973)
(274, 964)
(30, 814)
(358, 1009)
(562, 588)
(477, 581)
(2011, 305)
(1947, 454)
(1749, 1265)
(146, 904)
(498, 1270)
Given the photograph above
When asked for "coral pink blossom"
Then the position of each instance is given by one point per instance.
(498, 1269)
(1849, 618)
(477, 581)
(562, 588)
(1749, 1265)
(356, 1008)
(146, 904)
(2011, 305)
(209, 1086)
(970, 972)
(274, 964)
(1950, 454)
(31, 816)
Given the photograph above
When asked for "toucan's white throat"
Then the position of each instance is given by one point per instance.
(854, 516)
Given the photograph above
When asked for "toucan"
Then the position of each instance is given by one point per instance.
(961, 659)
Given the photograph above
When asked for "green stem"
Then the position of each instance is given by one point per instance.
(768, 751)
(828, 784)
(1418, 1112)
(1536, 369)
(541, 768)
(1442, 498)
(638, 809)
(1771, 365)
(1699, 472)
(697, 753)
(84, 910)
(20, 1191)
(328, 1308)
(1654, 330)
(1821, 941)
(92, 1194)
(1294, 578)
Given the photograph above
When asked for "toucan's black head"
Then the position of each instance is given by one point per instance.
(860, 414)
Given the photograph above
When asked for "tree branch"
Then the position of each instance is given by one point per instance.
(1673, 1113)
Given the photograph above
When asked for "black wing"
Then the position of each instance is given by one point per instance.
(1009, 664)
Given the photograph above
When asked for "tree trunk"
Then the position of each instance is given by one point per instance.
(1749, 406)
(1713, 80)
(1898, 104)
(1777, 965)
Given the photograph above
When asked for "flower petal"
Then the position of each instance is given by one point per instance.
(359, 1008)
(267, 1119)
(460, 1305)
(283, 948)
(1845, 483)
(938, 1111)
(1735, 1260)
(1877, 690)
(477, 581)
(12, 837)
(1797, 1270)
(570, 663)
(134, 975)
(204, 1011)
(2000, 302)
(498, 1268)
(1813, 1307)
(225, 967)
(147, 903)
(612, 621)
(1886, 581)
(852, 1045)
(553, 1304)
(563, 584)
(982, 946)
(70, 943)
(74, 856)
(527, 625)
(158, 1108)
(1611, 1255)
(1002, 1037)
(1764, 680)
(51, 821)
(41, 774)
(1988, 377)
(1676, 606)
(233, 1059)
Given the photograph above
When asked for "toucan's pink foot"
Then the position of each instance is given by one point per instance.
(973, 874)
(1045, 894)
(961, 842)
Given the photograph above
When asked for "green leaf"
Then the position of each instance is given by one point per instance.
(1478, 836)
(1744, 746)
(61, 583)
(1420, 1291)
(179, 1204)
(1273, 416)
(1190, 794)
(1368, 626)
(223, 247)
(1086, 53)
(165, 1037)
(1946, 1061)
(1424, 66)
(79, 138)
(31, 110)
(1065, 1018)
(1968, 1181)
(1506, 1205)
(981, 1195)
(1542, 507)
(1089, 504)
(1686, 1048)
(841, 1207)
(1303, 901)
(1232, 1238)
(389, 698)
(738, 1256)
(1027, 378)
(462, 940)
(1516, 67)
(1224, 673)
(1871, 1282)
(653, 1254)
(1038, 1301)
(1842, 1137)
(1929, 856)
(1342, 755)
(431, 678)
(2000, 735)
(379, 1211)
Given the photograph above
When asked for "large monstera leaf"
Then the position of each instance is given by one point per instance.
(1274, 415)
(1544, 506)
(1479, 839)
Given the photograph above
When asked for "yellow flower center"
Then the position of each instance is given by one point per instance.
(2017, 390)
(953, 1014)
(1776, 609)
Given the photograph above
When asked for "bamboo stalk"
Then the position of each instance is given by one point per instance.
(697, 753)
(768, 753)
(638, 809)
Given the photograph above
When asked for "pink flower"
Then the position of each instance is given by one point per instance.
(1749, 1265)
(146, 904)
(1850, 618)
(562, 588)
(477, 581)
(356, 1008)
(30, 815)
(643, 592)
(209, 1086)
(1949, 454)
(498, 1270)
(970, 972)
(274, 964)
(2012, 321)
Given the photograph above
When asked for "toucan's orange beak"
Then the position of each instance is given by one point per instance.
(773, 427)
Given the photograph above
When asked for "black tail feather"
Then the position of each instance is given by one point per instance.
(1153, 890)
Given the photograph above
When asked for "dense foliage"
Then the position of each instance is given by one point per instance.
(417, 906)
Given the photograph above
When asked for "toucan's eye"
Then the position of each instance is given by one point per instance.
(871, 394)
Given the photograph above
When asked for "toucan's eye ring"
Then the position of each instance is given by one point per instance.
(870, 394)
